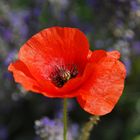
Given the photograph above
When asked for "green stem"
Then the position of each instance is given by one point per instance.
(88, 127)
(65, 119)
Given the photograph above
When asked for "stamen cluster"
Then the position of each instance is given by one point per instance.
(62, 74)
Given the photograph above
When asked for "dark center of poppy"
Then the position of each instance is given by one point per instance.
(63, 74)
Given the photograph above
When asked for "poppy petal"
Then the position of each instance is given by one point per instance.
(97, 55)
(114, 54)
(23, 76)
(51, 48)
(101, 92)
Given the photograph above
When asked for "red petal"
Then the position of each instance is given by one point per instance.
(97, 55)
(101, 92)
(49, 49)
(114, 54)
(23, 76)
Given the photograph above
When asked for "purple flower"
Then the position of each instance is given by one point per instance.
(17, 22)
(129, 35)
(53, 129)
(8, 35)
(136, 47)
(127, 63)
(134, 5)
(11, 55)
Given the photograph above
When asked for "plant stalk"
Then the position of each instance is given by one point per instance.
(88, 127)
(65, 119)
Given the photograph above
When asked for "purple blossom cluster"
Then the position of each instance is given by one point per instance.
(49, 129)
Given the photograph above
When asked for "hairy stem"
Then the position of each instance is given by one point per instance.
(88, 127)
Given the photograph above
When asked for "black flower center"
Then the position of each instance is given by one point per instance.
(62, 74)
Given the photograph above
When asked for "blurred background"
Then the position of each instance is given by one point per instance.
(109, 25)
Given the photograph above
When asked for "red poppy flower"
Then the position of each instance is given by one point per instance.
(57, 62)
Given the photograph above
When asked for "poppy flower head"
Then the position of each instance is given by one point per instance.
(57, 62)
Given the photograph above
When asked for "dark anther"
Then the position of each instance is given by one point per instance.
(61, 75)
